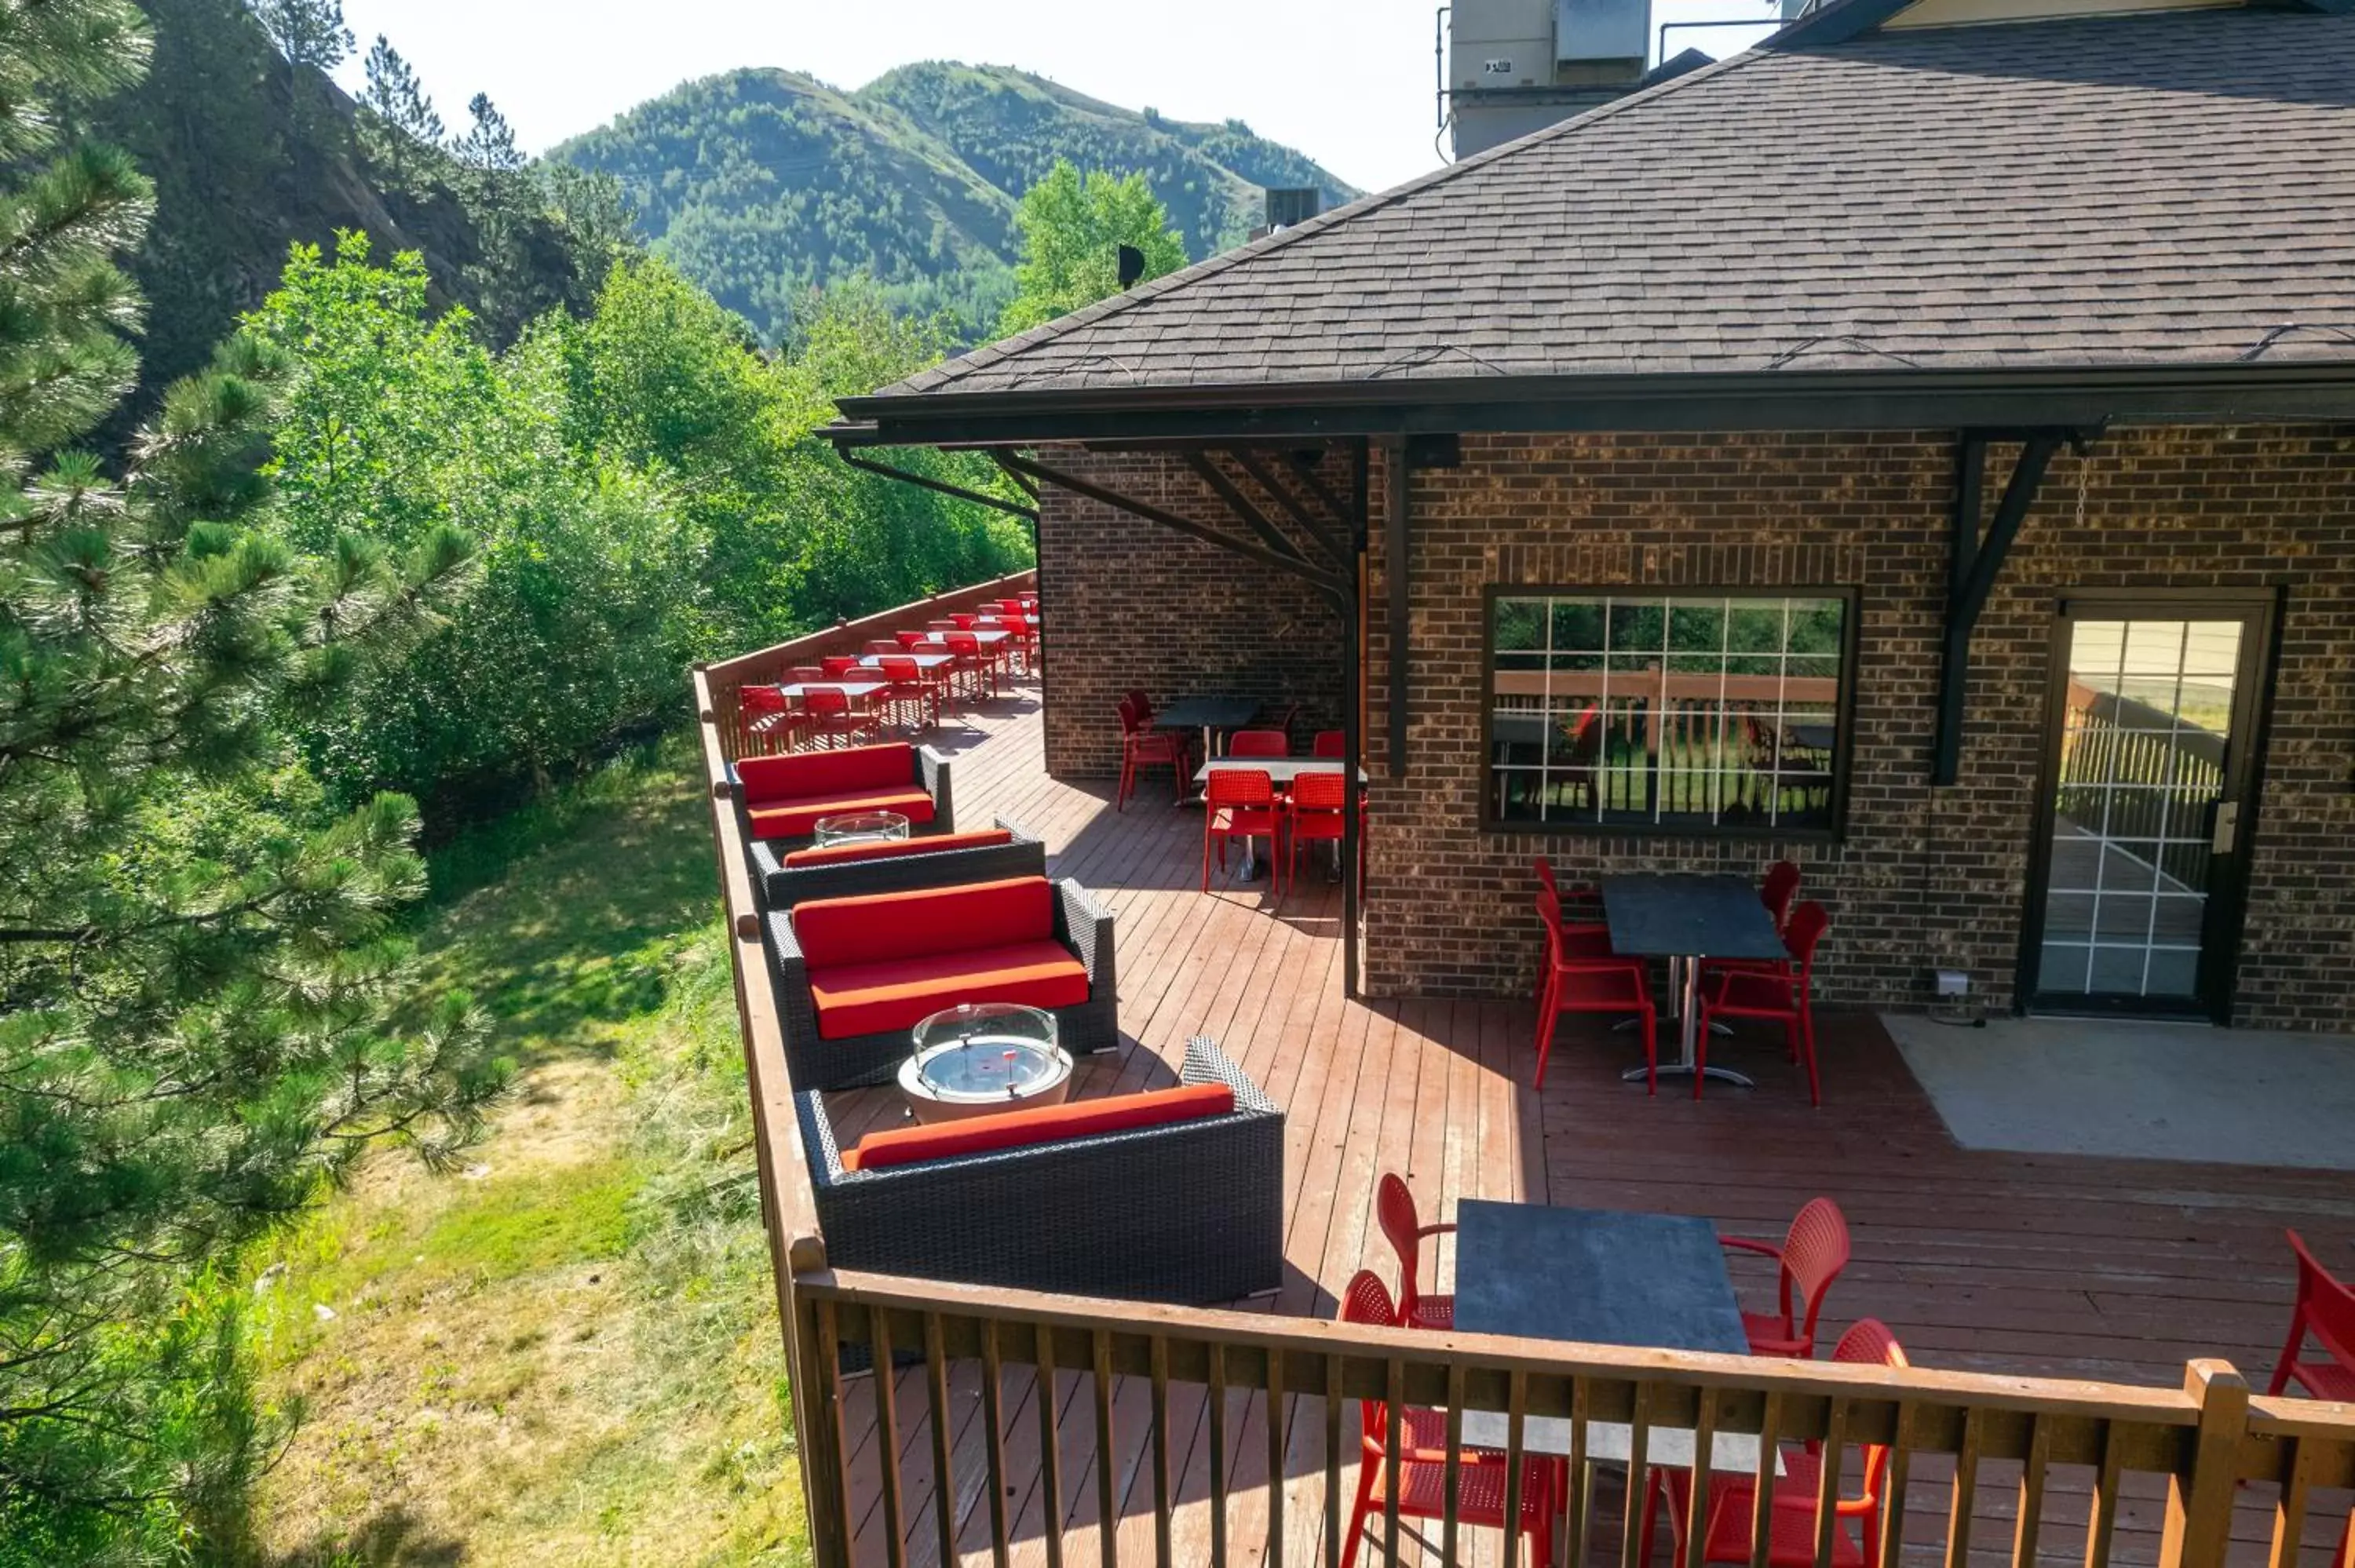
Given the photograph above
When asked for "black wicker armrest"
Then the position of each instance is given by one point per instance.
(1206, 1064)
(796, 1009)
(932, 773)
(1085, 927)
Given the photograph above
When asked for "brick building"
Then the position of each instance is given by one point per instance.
(1919, 448)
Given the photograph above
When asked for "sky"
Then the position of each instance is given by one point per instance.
(1349, 82)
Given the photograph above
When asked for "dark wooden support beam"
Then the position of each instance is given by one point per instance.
(1240, 504)
(1343, 515)
(1973, 566)
(1331, 543)
(1325, 583)
(1395, 572)
(1022, 482)
(941, 486)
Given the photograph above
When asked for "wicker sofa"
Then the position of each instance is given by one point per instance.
(855, 975)
(781, 798)
(1189, 1211)
(787, 876)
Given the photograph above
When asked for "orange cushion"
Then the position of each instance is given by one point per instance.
(890, 849)
(853, 770)
(798, 819)
(878, 998)
(880, 928)
(1037, 1124)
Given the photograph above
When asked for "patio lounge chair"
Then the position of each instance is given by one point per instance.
(855, 975)
(1183, 1203)
(787, 876)
(784, 797)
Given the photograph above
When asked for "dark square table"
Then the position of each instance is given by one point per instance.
(1598, 1276)
(1209, 715)
(1684, 919)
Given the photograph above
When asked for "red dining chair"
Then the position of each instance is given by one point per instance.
(1239, 803)
(1135, 697)
(839, 667)
(2326, 1309)
(1481, 1475)
(1394, 1209)
(769, 721)
(962, 620)
(1259, 743)
(1813, 1251)
(1780, 885)
(973, 660)
(905, 686)
(908, 640)
(1141, 747)
(1585, 984)
(1316, 810)
(1792, 1516)
(801, 674)
(832, 719)
(882, 645)
(1782, 991)
(1330, 743)
(942, 625)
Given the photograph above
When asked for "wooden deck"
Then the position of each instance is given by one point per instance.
(2055, 1266)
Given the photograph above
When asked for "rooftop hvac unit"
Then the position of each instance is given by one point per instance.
(1500, 44)
(1587, 31)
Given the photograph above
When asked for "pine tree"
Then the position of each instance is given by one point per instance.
(205, 1011)
(307, 32)
(489, 144)
(399, 129)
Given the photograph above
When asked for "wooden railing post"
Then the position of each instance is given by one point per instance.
(2200, 1500)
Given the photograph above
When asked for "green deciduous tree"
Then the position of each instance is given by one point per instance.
(204, 1012)
(1071, 229)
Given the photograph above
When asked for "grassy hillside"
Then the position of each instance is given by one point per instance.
(567, 1352)
(760, 183)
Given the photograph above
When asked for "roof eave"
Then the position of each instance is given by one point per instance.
(2201, 394)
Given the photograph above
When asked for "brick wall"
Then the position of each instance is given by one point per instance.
(1131, 603)
(1922, 877)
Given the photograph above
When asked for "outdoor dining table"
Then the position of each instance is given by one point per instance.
(857, 691)
(1685, 918)
(1601, 1277)
(923, 661)
(1209, 715)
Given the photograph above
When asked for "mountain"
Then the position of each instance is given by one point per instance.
(760, 183)
(251, 155)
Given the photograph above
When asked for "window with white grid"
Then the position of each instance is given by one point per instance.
(1693, 711)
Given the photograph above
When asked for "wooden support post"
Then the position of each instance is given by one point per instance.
(1972, 575)
(1395, 573)
(2200, 1502)
(1353, 739)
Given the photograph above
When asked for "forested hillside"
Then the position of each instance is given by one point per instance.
(251, 154)
(759, 182)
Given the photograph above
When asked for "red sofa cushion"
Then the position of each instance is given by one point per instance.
(882, 927)
(892, 849)
(899, 993)
(1037, 1124)
(809, 775)
(799, 819)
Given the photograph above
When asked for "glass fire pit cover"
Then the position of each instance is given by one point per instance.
(986, 1052)
(861, 828)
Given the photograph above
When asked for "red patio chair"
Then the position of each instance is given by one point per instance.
(1239, 803)
(1135, 697)
(1780, 885)
(2326, 1309)
(1330, 743)
(1575, 984)
(973, 661)
(801, 674)
(770, 723)
(1792, 1513)
(1314, 810)
(906, 686)
(1141, 747)
(1781, 991)
(963, 621)
(908, 640)
(1481, 1474)
(832, 719)
(882, 645)
(1394, 1209)
(1259, 743)
(839, 667)
(1814, 1251)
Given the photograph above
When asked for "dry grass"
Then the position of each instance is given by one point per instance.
(567, 1355)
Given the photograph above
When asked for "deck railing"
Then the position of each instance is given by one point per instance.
(1006, 1412)
(765, 666)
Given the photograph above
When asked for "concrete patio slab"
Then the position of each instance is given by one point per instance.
(2138, 1090)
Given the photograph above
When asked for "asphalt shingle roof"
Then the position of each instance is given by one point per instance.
(2149, 190)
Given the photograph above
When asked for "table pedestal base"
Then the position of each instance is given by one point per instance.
(1682, 1070)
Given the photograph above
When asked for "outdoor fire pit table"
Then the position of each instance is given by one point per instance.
(860, 828)
(983, 1057)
